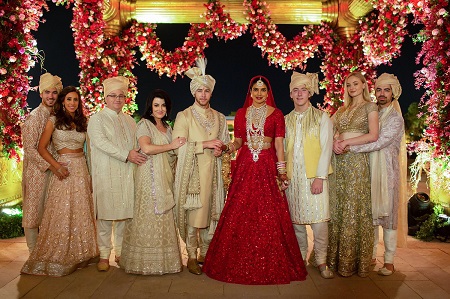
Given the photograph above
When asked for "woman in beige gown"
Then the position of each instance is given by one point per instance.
(67, 237)
(351, 229)
(150, 243)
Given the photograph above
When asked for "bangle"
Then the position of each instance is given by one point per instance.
(281, 167)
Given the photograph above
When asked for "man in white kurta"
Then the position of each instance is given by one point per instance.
(309, 141)
(35, 174)
(385, 167)
(199, 192)
(113, 157)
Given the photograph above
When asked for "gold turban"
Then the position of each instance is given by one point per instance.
(48, 81)
(199, 77)
(115, 83)
(389, 79)
(311, 82)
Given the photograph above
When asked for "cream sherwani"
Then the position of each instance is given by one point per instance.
(187, 126)
(111, 137)
(34, 179)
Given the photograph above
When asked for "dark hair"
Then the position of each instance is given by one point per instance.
(64, 120)
(255, 79)
(148, 114)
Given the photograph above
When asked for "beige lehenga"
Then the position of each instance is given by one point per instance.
(351, 229)
(67, 235)
(150, 242)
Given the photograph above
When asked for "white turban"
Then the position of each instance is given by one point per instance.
(389, 79)
(310, 81)
(48, 81)
(199, 77)
(115, 83)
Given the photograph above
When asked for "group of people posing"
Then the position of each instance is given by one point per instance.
(111, 184)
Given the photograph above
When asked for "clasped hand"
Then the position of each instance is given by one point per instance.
(340, 147)
(215, 145)
(134, 156)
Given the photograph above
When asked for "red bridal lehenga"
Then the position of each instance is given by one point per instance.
(254, 242)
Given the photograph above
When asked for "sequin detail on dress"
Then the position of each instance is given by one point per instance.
(254, 242)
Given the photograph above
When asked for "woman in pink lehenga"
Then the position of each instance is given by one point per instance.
(67, 234)
(254, 242)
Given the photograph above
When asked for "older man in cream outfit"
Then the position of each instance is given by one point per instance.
(34, 180)
(113, 157)
(388, 168)
(199, 191)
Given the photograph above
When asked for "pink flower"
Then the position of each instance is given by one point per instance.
(3, 71)
(12, 58)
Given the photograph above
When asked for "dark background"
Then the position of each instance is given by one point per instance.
(232, 64)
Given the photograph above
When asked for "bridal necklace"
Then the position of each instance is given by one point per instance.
(256, 118)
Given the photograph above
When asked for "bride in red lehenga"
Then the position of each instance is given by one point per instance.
(254, 242)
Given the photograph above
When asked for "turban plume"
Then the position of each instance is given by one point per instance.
(199, 77)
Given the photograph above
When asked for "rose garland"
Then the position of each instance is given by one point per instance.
(383, 30)
(435, 75)
(18, 50)
(100, 58)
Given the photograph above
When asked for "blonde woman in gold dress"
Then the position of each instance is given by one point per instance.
(351, 228)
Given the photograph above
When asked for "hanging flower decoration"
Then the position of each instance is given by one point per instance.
(344, 58)
(379, 38)
(100, 57)
(382, 31)
(18, 51)
(175, 63)
(435, 75)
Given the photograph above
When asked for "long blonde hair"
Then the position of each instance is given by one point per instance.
(366, 96)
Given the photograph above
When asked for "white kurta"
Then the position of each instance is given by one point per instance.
(305, 207)
(111, 137)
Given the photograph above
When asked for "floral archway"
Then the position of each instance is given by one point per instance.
(377, 41)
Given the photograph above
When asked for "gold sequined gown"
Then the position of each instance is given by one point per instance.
(67, 237)
(350, 229)
(150, 242)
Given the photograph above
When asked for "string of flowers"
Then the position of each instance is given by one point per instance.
(382, 32)
(18, 53)
(435, 75)
(175, 63)
(101, 57)
(344, 58)
(380, 37)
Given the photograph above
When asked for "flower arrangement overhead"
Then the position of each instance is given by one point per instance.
(377, 40)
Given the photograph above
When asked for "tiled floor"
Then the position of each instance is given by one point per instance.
(423, 271)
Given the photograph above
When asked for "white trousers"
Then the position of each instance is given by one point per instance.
(320, 231)
(31, 235)
(197, 238)
(105, 229)
(390, 244)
